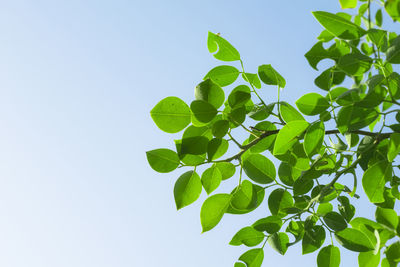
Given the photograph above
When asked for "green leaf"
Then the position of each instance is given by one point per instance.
(270, 224)
(239, 96)
(387, 217)
(220, 128)
(335, 221)
(253, 257)
(257, 198)
(213, 209)
(324, 208)
(354, 64)
(369, 259)
(287, 134)
(393, 252)
(338, 26)
(266, 142)
(378, 37)
(210, 92)
(171, 115)
(187, 189)
(328, 78)
(259, 168)
(245, 197)
(329, 256)
(163, 160)
(216, 148)
(346, 4)
(378, 17)
(374, 180)
(345, 208)
(312, 104)
(203, 111)
(211, 179)
(224, 50)
(223, 75)
(239, 264)
(393, 9)
(279, 242)
(313, 138)
(316, 54)
(313, 239)
(289, 113)
(353, 118)
(393, 52)
(252, 79)
(278, 201)
(227, 169)
(394, 146)
(247, 236)
(270, 76)
(354, 240)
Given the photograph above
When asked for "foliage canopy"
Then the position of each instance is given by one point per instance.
(299, 158)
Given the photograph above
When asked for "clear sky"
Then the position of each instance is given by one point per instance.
(77, 81)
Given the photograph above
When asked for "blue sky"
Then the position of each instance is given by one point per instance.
(78, 79)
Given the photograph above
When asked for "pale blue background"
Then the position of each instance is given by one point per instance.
(77, 81)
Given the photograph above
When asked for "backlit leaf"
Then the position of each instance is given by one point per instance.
(163, 160)
(187, 189)
(223, 75)
(213, 209)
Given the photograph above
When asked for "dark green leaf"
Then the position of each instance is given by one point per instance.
(354, 64)
(313, 239)
(316, 54)
(387, 217)
(245, 197)
(394, 146)
(393, 9)
(203, 111)
(270, 224)
(335, 221)
(279, 242)
(213, 209)
(270, 76)
(353, 118)
(216, 148)
(354, 240)
(247, 236)
(224, 50)
(223, 75)
(171, 115)
(329, 256)
(393, 52)
(259, 168)
(312, 104)
(220, 128)
(338, 26)
(393, 252)
(187, 189)
(163, 160)
(239, 96)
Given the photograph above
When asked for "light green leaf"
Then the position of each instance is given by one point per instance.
(313, 138)
(316, 54)
(354, 240)
(203, 111)
(279, 242)
(210, 92)
(393, 52)
(347, 4)
(245, 197)
(387, 217)
(312, 104)
(339, 26)
(163, 160)
(259, 168)
(211, 179)
(329, 256)
(394, 146)
(289, 113)
(287, 134)
(369, 259)
(171, 115)
(374, 180)
(392, 7)
(393, 252)
(213, 210)
(324, 208)
(253, 257)
(248, 236)
(187, 189)
(223, 75)
(239, 264)
(224, 50)
(227, 169)
(353, 118)
(252, 79)
(220, 128)
(278, 201)
(270, 76)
